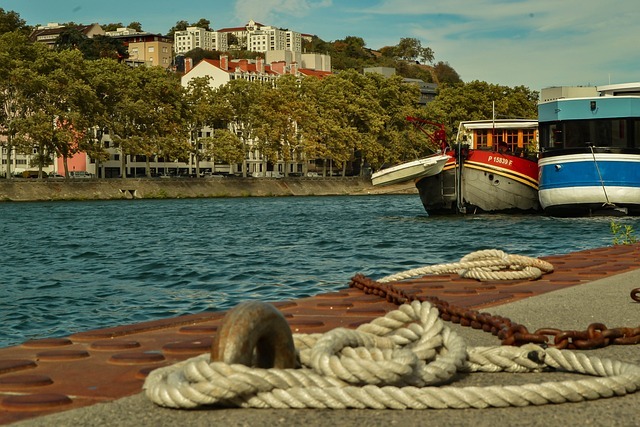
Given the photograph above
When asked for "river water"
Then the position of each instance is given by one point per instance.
(67, 267)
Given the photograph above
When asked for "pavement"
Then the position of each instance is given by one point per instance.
(605, 299)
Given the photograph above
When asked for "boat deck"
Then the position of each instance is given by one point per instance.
(59, 374)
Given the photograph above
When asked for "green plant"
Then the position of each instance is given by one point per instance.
(623, 234)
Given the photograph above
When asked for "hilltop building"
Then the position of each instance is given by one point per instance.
(261, 38)
(196, 37)
(48, 34)
(145, 48)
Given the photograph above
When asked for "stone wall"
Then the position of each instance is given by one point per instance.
(176, 188)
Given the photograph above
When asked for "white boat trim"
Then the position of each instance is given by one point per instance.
(409, 171)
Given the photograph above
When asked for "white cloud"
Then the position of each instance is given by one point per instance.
(535, 43)
(268, 10)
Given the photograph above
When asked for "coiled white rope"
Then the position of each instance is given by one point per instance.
(393, 362)
(484, 265)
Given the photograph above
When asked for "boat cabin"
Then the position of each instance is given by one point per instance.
(609, 119)
(513, 136)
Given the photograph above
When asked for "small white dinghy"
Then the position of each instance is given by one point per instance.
(420, 168)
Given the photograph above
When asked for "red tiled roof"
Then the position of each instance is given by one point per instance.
(316, 73)
(252, 67)
(233, 65)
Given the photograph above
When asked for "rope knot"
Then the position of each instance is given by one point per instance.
(391, 362)
(483, 265)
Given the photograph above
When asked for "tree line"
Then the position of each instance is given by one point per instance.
(59, 102)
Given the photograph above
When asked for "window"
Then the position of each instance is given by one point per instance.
(482, 138)
(152, 49)
(511, 138)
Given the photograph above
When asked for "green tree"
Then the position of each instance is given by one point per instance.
(198, 54)
(135, 25)
(223, 145)
(202, 23)
(92, 48)
(398, 142)
(71, 39)
(445, 74)
(180, 26)
(112, 26)
(106, 77)
(207, 109)
(327, 132)
(240, 96)
(149, 119)
(410, 49)
(278, 114)
(10, 21)
(63, 106)
(476, 100)
(17, 74)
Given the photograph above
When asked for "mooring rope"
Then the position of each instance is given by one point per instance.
(395, 362)
(484, 265)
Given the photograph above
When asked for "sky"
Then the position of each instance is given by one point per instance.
(532, 43)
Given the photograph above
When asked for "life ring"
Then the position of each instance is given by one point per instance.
(254, 333)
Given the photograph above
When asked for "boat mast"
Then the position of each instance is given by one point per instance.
(493, 125)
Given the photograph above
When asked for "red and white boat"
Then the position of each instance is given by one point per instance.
(492, 168)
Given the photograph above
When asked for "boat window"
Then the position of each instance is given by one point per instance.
(551, 136)
(511, 138)
(481, 138)
(498, 138)
(620, 133)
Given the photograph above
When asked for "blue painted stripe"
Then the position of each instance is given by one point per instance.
(585, 174)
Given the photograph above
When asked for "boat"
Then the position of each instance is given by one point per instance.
(409, 171)
(590, 151)
(492, 168)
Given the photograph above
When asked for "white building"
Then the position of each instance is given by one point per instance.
(262, 38)
(222, 71)
(310, 61)
(196, 37)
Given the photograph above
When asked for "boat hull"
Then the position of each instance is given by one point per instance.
(489, 182)
(410, 171)
(590, 184)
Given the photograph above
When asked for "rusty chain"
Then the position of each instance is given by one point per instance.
(596, 335)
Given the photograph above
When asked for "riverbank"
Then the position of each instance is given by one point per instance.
(23, 190)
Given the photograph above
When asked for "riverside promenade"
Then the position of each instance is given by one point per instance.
(96, 377)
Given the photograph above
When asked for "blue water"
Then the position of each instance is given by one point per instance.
(67, 267)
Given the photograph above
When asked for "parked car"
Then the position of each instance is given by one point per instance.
(80, 175)
(54, 175)
(33, 174)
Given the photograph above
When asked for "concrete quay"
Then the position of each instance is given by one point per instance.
(95, 377)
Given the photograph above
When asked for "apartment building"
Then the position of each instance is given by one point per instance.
(145, 48)
(196, 37)
(262, 38)
(48, 34)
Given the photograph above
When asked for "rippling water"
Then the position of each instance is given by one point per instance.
(67, 267)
